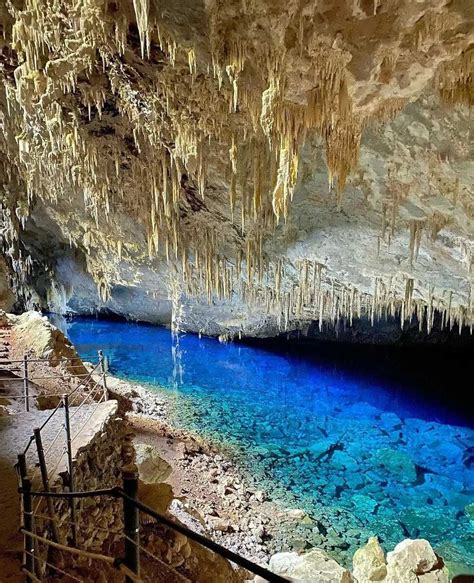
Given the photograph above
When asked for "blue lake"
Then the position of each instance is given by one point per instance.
(362, 453)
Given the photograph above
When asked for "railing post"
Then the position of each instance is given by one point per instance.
(67, 425)
(131, 521)
(102, 368)
(45, 480)
(28, 544)
(22, 465)
(26, 387)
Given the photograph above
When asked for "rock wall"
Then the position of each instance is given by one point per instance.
(97, 465)
(34, 334)
(7, 298)
(54, 364)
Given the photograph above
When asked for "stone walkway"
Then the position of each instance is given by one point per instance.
(15, 432)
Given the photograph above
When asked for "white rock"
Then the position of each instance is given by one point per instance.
(284, 563)
(412, 559)
(218, 523)
(152, 469)
(369, 562)
(296, 513)
(260, 496)
(312, 567)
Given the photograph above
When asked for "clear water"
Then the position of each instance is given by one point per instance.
(363, 455)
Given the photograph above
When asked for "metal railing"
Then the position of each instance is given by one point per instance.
(77, 409)
(22, 373)
(129, 563)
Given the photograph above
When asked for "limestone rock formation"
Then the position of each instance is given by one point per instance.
(242, 166)
(34, 334)
(153, 472)
(369, 562)
(414, 561)
(152, 468)
(6, 294)
(313, 566)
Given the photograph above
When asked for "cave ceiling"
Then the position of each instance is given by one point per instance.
(287, 161)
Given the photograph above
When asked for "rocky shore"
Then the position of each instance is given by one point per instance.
(204, 488)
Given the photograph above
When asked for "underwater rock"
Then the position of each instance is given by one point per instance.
(369, 562)
(363, 503)
(469, 510)
(395, 463)
(413, 561)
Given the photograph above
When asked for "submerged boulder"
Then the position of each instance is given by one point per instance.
(396, 464)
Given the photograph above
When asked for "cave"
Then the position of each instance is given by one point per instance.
(236, 291)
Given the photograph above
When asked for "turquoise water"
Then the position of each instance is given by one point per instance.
(363, 455)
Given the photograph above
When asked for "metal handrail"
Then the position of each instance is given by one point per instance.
(118, 492)
(88, 377)
(91, 395)
(34, 378)
(62, 359)
(23, 376)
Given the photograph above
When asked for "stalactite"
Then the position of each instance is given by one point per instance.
(77, 67)
(416, 230)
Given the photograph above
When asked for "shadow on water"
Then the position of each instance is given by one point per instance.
(436, 378)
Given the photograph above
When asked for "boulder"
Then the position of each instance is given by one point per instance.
(296, 513)
(314, 566)
(152, 473)
(396, 464)
(469, 510)
(414, 561)
(44, 402)
(157, 496)
(369, 562)
(152, 469)
(285, 563)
